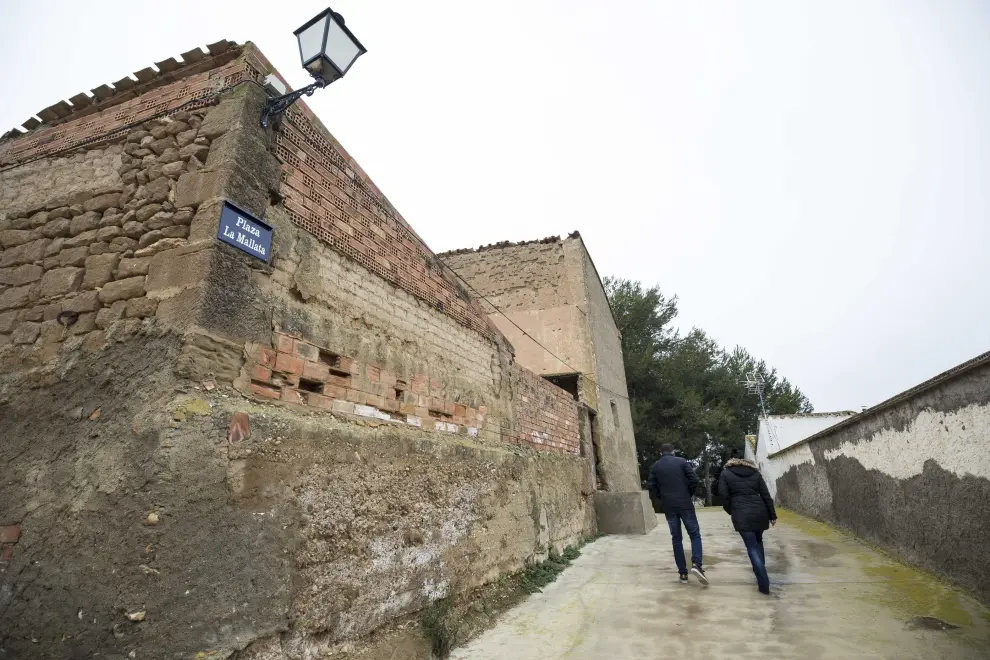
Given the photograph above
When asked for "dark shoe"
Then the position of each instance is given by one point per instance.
(765, 592)
(684, 579)
(700, 574)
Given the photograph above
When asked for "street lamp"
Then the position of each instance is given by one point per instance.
(327, 50)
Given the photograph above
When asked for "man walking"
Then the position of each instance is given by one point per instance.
(673, 481)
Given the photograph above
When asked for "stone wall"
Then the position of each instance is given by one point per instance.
(126, 494)
(79, 231)
(911, 475)
(219, 452)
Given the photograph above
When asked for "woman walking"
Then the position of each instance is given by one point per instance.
(749, 503)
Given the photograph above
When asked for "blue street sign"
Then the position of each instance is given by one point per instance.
(245, 232)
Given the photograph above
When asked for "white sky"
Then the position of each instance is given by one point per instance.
(811, 178)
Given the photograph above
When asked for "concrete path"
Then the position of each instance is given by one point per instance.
(833, 597)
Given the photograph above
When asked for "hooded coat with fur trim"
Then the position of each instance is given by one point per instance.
(747, 499)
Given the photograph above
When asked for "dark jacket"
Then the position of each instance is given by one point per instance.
(746, 496)
(673, 482)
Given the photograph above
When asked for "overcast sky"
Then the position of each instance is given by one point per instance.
(812, 179)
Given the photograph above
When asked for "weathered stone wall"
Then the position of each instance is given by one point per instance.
(78, 232)
(314, 530)
(175, 484)
(551, 289)
(911, 475)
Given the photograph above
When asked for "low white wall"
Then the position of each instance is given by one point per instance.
(911, 474)
(788, 431)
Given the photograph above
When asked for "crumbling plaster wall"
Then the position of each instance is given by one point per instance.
(315, 529)
(312, 531)
(912, 476)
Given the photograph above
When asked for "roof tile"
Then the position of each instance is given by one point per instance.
(146, 74)
(103, 92)
(80, 100)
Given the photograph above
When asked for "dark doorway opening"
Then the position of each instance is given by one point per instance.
(566, 382)
(601, 483)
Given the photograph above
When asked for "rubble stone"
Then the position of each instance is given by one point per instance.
(21, 275)
(73, 256)
(61, 281)
(99, 269)
(102, 202)
(85, 222)
(132, 287)
(24, 254)
(26, 333)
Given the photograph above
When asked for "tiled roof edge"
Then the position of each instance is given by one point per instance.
(108, 95)
(501, 245)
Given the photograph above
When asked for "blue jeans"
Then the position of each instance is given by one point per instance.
(754, 548)
(690, 520)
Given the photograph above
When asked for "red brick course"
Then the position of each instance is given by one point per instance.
(547, 417)
(9, 535)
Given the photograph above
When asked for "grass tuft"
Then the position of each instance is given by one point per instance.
(440, 629)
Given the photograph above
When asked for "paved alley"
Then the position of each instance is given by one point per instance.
(832, 597)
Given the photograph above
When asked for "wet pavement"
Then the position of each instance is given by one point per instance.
(832, 597)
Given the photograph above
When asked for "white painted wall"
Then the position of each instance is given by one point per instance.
(788, 431)
(958, 441)
(918, 461)
(792, 429)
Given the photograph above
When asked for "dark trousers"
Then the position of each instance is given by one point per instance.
(754, 548)
(690, 520)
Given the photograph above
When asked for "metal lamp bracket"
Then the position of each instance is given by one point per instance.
(280, 104)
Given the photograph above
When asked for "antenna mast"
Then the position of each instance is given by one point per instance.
(754, 385)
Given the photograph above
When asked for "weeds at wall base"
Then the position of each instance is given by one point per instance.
(452, 621)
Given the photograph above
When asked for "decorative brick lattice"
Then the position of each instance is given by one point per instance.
(328, 197)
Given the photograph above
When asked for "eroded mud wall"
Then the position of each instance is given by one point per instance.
(911, 475)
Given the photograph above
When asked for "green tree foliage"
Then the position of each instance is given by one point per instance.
(687, 390)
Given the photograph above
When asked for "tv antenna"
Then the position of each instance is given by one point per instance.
(755, 384)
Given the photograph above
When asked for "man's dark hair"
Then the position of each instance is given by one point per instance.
(667, 448)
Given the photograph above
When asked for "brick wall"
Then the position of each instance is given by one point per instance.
(547, 415)
(360, 346)
(300, 372)
(331, 199)
(551, 289)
